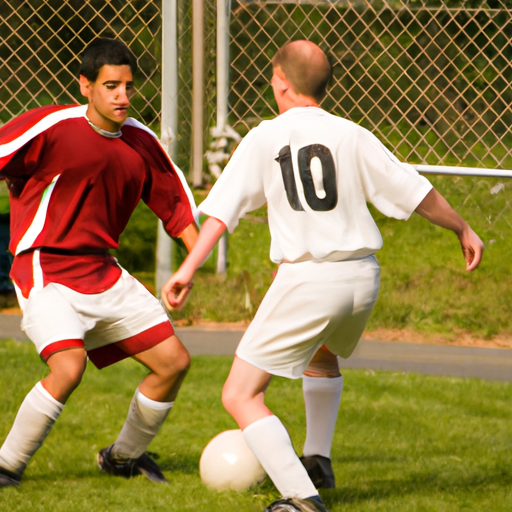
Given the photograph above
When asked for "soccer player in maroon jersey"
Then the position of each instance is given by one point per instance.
(75, 174)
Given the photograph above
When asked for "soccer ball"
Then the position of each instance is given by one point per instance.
(228, 463)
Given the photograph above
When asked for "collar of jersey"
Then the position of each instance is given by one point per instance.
(105, 133)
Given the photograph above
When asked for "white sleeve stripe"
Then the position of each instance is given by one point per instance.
(136, 124)
(41, 126)
(190, 196)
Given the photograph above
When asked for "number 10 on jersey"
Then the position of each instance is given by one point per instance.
(318, 176)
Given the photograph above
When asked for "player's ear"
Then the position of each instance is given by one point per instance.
(279, 80)
(85, 86)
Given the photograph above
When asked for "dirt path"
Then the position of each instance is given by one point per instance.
(404, 335)
(461, 340)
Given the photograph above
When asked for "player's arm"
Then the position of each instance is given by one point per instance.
(175, 291)
(436, 209)
(188, 238)
(190, 235)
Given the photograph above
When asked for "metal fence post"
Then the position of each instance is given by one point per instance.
(197, 92)
(223, 7)
(169, 125)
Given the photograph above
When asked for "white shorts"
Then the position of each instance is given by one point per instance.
(308, 305)
(122, 321)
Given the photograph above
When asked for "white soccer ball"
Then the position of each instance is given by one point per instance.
(228, 463)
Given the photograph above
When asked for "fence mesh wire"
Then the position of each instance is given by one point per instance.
(184, 135)
(41, 40)
(431, 79)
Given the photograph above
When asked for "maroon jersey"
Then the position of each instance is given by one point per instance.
(73, 190)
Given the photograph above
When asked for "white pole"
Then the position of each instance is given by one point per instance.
(222, 63)
(169, 125)
(463, 171)
(197, 92)
(169, 122)
(223, 7)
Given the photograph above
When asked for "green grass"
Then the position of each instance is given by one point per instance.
(424, 285)
(404, 442)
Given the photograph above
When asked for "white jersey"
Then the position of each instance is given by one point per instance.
(316, 172)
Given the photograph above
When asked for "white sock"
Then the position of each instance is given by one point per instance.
(272, 446)
(144, 420)
(35, 418)
(322, 398)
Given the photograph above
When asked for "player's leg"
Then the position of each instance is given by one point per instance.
(39, 411)
(243, 398)
(322, 381)
(66, 371)
(51, 323)
(322, 385)
(330, 305)
(168, 363)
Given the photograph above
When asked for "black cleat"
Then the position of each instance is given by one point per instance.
(129, 468)
(8, 478)
(319, 469)
(297, 505)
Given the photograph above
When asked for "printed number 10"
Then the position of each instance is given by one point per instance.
(304, 157)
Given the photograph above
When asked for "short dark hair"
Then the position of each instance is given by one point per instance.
(306, 67)
(103, 52)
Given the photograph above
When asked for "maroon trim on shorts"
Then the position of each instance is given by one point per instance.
(58, 346)
(110, 354)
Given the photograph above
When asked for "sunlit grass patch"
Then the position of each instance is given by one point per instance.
(403, 442)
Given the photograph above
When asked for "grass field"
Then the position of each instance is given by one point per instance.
(424, 286)
(403, 442)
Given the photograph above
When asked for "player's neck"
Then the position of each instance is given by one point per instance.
(282, 111)
(296, 101)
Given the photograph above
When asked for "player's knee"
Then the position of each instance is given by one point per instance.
(68, 367)
(75, 373)
(177, 363)
(234, 399)
(182, 361)
(230, 398)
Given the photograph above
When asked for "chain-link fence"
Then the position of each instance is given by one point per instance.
(431, 79)
(40, 44)
(184, 134)
(41, 41)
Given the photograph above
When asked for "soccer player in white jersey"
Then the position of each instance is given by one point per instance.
(75, 174)
(316, 172)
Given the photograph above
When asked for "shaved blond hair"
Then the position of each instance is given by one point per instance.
(306, 67)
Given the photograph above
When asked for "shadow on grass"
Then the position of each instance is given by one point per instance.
(64, 475)
(419, 483)
(366, 458)
(178, 463)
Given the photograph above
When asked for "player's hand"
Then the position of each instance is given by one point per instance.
(176, 290)
(472, 248)
(175, 298)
